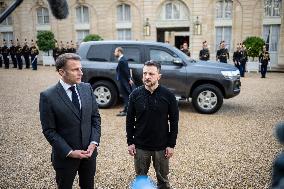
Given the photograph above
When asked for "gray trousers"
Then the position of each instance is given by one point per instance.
(142, 161)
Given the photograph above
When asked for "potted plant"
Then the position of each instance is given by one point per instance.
(93, 37)
(254, 46)
(46, 42)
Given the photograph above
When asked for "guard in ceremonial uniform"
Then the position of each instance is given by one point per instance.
(204, 52)
(34, 52)
(26, 54)
(12, 51)
(244, 59)
(237, 56)
(1, 61)
(5, 54)
(264, 59)
(19, 50)
(62, 48)
(222, 54)
(55, 51)
(185, 49)
(73, 48)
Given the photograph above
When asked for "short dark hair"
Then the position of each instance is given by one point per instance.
(62, 59)
(120, 49)
(153, 63)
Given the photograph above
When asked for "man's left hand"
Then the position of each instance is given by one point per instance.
(169, 152)
(91, 149)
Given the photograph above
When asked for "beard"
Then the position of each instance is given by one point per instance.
(149, 84)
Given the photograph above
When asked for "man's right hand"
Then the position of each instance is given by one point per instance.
(132, 149)
(78, 154)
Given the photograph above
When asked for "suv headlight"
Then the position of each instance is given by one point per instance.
(230, 74)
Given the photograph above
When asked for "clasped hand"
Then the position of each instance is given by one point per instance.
(81, 154)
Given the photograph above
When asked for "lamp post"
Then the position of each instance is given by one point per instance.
(197, 27)
(147, 28)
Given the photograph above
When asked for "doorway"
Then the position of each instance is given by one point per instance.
(175, 36)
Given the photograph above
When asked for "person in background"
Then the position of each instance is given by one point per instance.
(124, 77)
(26, 53)
(204, 52)
(185, 49)
(55, 51)
(264, 59)
(237, 58)
(5, 54)
(19, 50)
(222, 54)
(12, 51)
(243, 60)
(34, 52)
(152, 125)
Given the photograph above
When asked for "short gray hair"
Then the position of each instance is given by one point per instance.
(62, 60)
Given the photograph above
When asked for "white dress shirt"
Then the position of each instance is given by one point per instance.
(69, 92)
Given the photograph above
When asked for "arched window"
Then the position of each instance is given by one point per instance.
(224, 9)
(123, 13)
(42, 16)
(174, 10)
(272, 8)
(82, 15)
(8, 20)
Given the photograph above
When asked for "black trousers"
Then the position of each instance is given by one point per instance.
(14, 60)
(86, 169)
(27, 60)
(19, 61)
(6, 61)
(263, 69)
(1, 61)
(34, 62)
(125, 89)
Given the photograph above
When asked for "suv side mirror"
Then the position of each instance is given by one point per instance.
(177, 61)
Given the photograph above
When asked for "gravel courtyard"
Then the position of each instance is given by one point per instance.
(233, 148)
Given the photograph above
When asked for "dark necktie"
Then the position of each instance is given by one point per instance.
(75, 99)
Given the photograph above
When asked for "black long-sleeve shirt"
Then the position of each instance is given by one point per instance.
(152, 119)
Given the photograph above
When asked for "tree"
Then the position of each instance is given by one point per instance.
(45, 41)
(254, 46)
(93, 37)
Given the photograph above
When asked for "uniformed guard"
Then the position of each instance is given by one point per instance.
(185, 49)
(12, 51)
(68, 47)
(222, 54)
(244, 59)
(204, 52)
(237, 56)
(55, 51)
(62, 48)
(73, 48)
(26, 54)
(5, 54)
(19, 50)
(34, 52)
(264, 59)
(1, 61)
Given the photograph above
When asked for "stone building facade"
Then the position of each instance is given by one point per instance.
(172, 21)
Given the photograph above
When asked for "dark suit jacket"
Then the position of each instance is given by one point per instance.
(123, 74)
(64, 126)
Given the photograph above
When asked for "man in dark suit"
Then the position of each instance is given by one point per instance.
(71, 124)
(124, 78)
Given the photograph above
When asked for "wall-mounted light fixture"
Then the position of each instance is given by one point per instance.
(197, 27)
(147, 28)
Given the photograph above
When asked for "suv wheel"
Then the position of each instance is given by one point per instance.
(207, 99)
(105, 92)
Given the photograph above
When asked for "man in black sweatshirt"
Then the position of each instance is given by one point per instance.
(152, 125)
